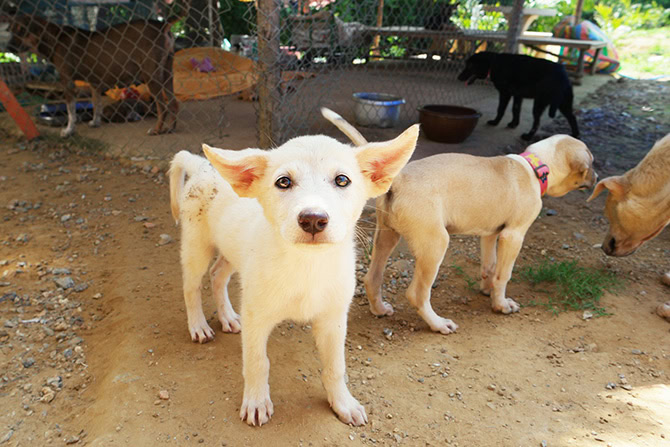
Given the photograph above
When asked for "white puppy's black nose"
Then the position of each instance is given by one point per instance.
(313, 221)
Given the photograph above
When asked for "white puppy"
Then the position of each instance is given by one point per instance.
(285, 220)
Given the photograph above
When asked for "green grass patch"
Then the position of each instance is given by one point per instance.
(644, 53)
(570, 286)
(472, 283)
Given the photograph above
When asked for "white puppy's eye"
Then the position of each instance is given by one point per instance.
(283, 183)
(342, 180)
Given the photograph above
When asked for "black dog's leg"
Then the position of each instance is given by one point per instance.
(502, 106)
(538, 110)
(516, 112)
(566, 110)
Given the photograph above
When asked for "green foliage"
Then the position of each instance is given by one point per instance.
(8, 57)
(469, 13)
(614, 13)
(237, 17)
(571, 287)
(471, 282)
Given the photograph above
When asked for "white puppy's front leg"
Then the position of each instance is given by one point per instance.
(330, 332)
(257, 407)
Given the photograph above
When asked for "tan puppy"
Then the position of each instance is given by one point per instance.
(497, 198)
(638, 205)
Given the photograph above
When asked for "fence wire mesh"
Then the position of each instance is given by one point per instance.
(184, 70)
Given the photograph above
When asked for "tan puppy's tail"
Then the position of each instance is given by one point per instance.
(183, 164)
(346, 128)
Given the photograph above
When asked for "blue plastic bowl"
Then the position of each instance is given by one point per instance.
(377, 109)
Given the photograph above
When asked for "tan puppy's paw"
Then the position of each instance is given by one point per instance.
(663, 310)
(256, 411)
(350, 411)
(381, 309)
(443, 325)
(665, 279)
(508, 306)
(200, 331)
(230, 323)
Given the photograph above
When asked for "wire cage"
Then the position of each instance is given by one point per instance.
(181, 70)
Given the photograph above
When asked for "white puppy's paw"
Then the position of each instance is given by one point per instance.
(68, 131)
(94, 123)
(381, 308)
(663, 310)
(443, 325)
(350, 411)
(508, 306)
(230, 323)
(256, 411)
(200, 331)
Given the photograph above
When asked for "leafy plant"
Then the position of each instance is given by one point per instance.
(471, 282)
(571, 287)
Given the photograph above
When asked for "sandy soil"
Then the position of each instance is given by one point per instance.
(86, 362)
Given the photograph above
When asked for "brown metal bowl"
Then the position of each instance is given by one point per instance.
(447, 124)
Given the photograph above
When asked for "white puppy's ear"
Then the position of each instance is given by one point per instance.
(242, 169)
(381, 162)
(617, 186)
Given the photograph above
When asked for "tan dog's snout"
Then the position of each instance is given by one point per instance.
(313, 221)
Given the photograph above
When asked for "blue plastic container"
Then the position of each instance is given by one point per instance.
(377, 109)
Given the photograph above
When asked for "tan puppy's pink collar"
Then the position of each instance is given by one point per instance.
(540, 169)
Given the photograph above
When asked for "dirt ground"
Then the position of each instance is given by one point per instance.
(94, 348)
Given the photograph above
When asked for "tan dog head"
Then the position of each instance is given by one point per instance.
(570, 163)
(313, 189)
(637, 204)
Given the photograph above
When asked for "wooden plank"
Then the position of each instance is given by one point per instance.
(18, 114)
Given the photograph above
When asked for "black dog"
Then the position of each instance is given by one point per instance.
(519, 76)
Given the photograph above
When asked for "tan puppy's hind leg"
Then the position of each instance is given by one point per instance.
(220, 274)
(429, 252)
(488, 256)
(385, 241)
(509, 245)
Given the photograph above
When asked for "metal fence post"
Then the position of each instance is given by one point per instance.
(268, 85)
(512, 45)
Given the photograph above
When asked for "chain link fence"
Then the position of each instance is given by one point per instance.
(155, 76)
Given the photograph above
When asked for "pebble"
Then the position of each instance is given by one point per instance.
(164, 239)
(141, 218)
(636, 352)
(579, 236)
(97, 296)
(60, 271)
(611, 385)
(7, 436)
(27, 363)
(65, 217)
(163, 395)
(587, 315)
(551, 212)
(65, 282)
(81, 287)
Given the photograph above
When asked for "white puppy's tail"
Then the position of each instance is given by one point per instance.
(346, 128)
(183, 164)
